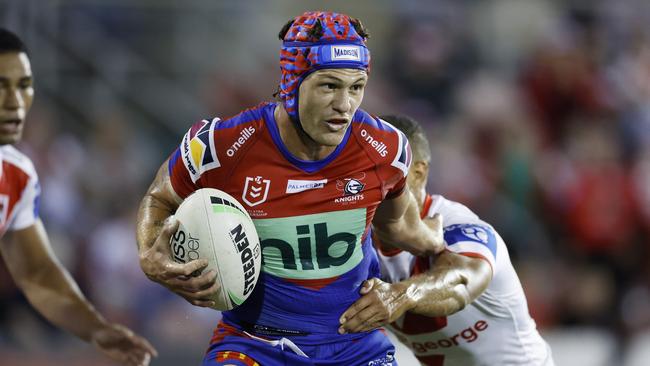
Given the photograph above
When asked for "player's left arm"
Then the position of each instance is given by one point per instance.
(454, 281)
(397, 223)
(54, 293)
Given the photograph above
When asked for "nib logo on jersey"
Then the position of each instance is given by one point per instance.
(351, 188)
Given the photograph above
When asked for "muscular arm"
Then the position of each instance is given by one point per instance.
(453, 282)
(158, 204)
(153, 232)
(46, 284)
(397, 223)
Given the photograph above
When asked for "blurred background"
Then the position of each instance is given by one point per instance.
(538, 113)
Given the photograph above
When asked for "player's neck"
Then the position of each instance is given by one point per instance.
(296, 140)
(420, 195)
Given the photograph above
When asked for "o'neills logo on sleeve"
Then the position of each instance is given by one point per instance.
(376, 144)
(243, 137)
(352, 53)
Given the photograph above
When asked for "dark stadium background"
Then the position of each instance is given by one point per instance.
(538, 113)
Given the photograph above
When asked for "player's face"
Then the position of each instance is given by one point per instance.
(328, 99)
(16, 95)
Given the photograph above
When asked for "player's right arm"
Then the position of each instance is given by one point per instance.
(155, 226)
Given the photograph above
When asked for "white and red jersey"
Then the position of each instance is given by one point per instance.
(19, 190)
(496, 328)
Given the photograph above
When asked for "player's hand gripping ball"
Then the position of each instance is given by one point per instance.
(214, 226)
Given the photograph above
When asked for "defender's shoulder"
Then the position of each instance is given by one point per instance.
(18, 159)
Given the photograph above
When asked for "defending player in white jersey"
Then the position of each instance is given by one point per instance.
(465, 306)
(25, 247)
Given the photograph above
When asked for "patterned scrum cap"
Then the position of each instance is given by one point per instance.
(318, 40)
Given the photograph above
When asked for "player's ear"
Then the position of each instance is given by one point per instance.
(419, 170)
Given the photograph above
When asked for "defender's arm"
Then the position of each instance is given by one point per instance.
(397, 223)
(52, 291)
(453, 282)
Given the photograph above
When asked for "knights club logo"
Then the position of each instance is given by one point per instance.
(351, 186)
(256, 190)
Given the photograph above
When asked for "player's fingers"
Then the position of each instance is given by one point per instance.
(359, 305)
(367, 286)
(145, 348)
(201, 282)
(173, 269)
(146, 359)
(208, 292)
(192, 284)
(363, 320)
(203, 303)
(203, 298)
(139, 358)
(193, 299)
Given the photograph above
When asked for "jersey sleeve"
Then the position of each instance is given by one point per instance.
(402, 162)
(193, 158)
(473, 240)
(26, 211)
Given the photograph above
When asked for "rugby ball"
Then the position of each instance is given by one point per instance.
(214, 226)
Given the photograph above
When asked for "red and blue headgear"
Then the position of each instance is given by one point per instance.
(318, 40)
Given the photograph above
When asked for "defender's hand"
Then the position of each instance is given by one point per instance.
(123, 346)
(381, 303)
(157, 264)
(436, 236)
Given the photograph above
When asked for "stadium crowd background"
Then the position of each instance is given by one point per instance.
(538, 113)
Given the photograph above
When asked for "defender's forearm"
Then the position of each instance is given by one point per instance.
(453, 282)
(57, 297)
(407, 231)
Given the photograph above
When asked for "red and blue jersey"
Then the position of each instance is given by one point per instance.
(312, 217)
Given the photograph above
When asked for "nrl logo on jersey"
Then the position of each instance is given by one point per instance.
(351, 188)
(198, 150)
(256, 190)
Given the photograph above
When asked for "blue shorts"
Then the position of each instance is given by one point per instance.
(232, 346)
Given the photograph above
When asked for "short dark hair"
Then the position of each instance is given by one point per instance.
(10, 42)
(414, 132)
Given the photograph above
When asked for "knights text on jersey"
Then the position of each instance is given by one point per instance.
(312, 217)
(496, 328)
(19, 190)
